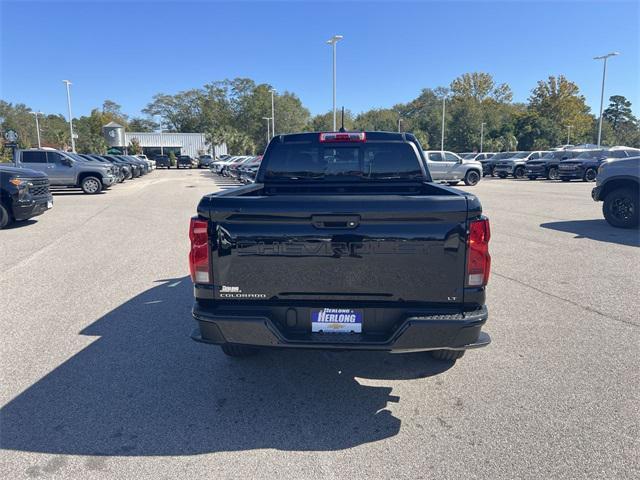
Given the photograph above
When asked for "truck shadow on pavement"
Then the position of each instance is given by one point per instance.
(598, 230)
(143, 387)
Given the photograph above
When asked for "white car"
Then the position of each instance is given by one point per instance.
(152, 163)
(448, 167)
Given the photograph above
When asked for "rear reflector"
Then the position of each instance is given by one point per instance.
(199, 254)
(343, 137)
(478, 258)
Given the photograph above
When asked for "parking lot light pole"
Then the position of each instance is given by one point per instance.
(73, 140)
(35, 114)
(333, 41)
(569, 134)
(399, 120)
(604, 75)
(482, 134)
(444, 100)
(268, 134)
(273, 115)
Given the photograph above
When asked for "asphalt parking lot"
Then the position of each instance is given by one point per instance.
(101, 380)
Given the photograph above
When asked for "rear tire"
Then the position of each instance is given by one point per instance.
(471, 178)
(621, 207)
(448, 355)
(91, 185)
(234, 350)
(5, 216)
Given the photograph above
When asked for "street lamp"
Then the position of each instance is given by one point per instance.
(333, 41)
(273, 114)
(444, 99)
(35, 114)
(73, 141)
(482, 134)
(604, 74)
(268, 135)
(569, 134)
(399, 120)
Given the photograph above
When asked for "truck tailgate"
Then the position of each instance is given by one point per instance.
(370, 247)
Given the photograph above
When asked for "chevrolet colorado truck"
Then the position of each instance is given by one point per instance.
(343, 242)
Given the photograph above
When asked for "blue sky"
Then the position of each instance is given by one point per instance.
(128, 51)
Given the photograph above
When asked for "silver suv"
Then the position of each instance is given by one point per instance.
(448, 167)
(618, 187)
(66, 170)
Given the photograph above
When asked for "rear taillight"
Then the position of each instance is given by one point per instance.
(342, 137)
(478, 258)
(199, 254)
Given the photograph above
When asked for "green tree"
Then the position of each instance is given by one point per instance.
(624, 126)
(134, 147)
(554, 104)
(138, 124)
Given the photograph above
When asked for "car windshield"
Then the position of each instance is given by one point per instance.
(520, 154)
(500, 156)
(469, 156)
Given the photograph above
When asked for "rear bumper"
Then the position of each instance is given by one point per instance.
(459, 331)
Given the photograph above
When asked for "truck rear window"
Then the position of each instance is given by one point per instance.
(363, 162)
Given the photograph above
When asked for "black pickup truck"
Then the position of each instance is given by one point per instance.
(343, 242)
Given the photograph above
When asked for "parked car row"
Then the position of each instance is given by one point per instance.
(25, 185)
(565, 163)
(241, 168)
(184, 161)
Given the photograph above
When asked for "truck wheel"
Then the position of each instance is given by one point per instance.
(518, 172)
(553, 173)
(620, 208)
(590, 175)
(471, 178)
(91, 185)
(447, 354)
(234, 350)
(5, 217)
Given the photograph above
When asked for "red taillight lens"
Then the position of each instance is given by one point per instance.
(199, 254)
(343, 137)
(478, 258)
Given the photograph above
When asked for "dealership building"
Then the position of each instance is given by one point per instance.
(157, 143)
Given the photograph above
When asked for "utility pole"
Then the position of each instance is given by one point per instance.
(482, 134)
(73, 140)
(333, 41)
(444, 99)
(273, 115)
(604, 75)
(35, 114)
(569, 134)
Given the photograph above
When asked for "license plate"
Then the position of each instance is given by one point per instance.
(49, 204)
(336, 320)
